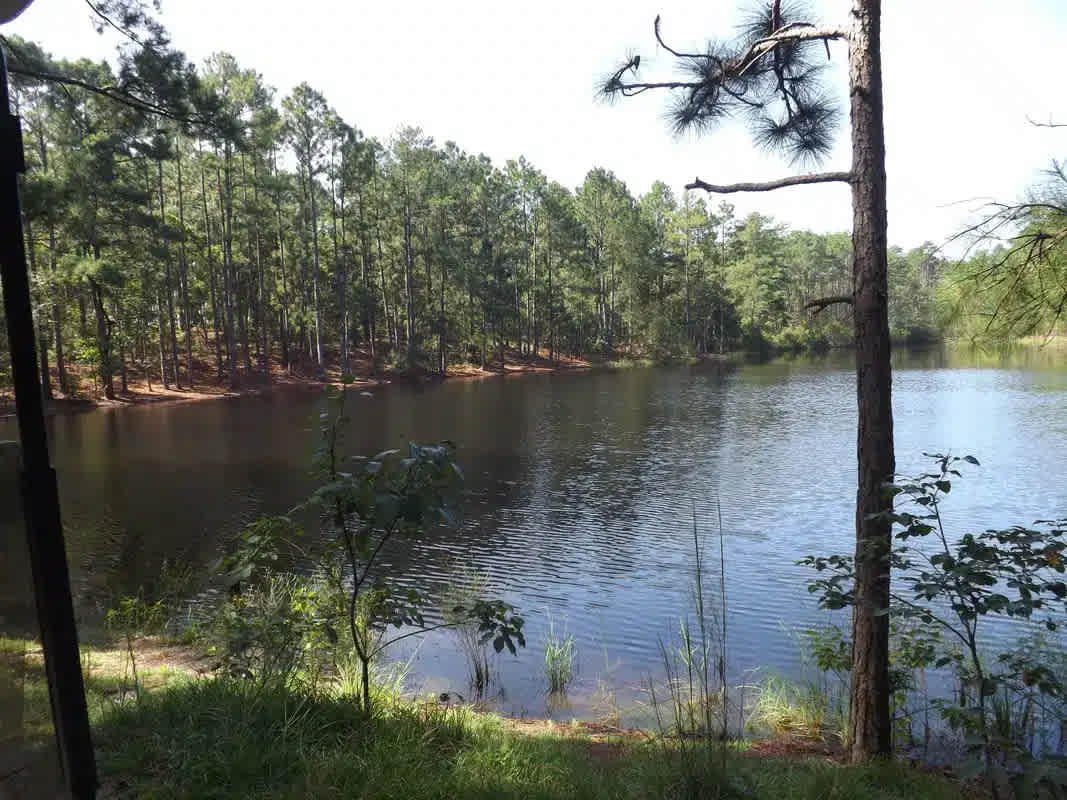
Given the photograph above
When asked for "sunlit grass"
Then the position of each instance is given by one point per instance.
(783, 707)
(560, 652)
(192, 737)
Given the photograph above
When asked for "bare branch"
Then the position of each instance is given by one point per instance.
(671, 50)
(791, 33)
(631, 89)
(820, 303)
(1049, 124)
(111, 23)
(768, 186)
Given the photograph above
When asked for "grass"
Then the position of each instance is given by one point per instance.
(560, 653)
(222, 738)
(785, 708)
(467, 585)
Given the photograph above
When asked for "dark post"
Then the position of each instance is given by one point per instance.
(44, 530)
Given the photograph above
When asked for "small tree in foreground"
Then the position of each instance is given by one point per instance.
(771, 75)
(948, 588)
(392, 497)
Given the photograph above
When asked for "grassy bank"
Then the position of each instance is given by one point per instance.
(184, 734)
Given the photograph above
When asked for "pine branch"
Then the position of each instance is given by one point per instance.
(768, 186)
(671, 50)
(790, 34)
(113, 93)
(823, 302)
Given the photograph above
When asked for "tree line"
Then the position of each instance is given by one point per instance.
(258, 232)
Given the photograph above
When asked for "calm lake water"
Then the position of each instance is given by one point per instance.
(582, 492)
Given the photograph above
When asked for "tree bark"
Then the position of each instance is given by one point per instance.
(226, 201)
(184, 277)
(209, 256)
(167, 275)
(103, 335)
(283, 316)
(315, 264)
(869, 722)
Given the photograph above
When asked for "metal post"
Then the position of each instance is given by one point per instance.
(44, 530)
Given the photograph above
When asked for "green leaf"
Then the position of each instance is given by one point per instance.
(971, 460)
(498, 643)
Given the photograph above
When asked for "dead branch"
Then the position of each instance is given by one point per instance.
(768, 186)
(1049, 124)
(820, 303)
(791, 33)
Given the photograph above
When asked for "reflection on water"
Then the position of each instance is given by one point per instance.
(583, 490)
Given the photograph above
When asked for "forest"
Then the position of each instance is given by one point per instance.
(234, 232)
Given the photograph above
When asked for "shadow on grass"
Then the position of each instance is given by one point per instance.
(224, 739)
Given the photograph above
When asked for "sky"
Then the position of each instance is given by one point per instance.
(509, 78)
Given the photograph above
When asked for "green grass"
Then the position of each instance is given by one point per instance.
(783, 707)
(189, 737)
(559, 659)
(222, 739)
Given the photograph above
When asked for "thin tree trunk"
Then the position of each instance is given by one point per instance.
(409, 267)
(103, 334)
(57, 304)
(226, 203)
(242, 282)
(184, 277)
(167, 277)
(369, 305)
(264, 305)
(869, 721)
(42, 341)
(162, 342)
(210, 257)
(283, 317)
(315, 277)
(442, 336)
(340, 266)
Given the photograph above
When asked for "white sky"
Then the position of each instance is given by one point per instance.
(507, 78)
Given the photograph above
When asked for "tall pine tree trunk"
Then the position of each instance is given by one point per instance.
(283, 316)
(319, 361)
(103, 334)
(57, 312)
(42, 340)
(184, 277)
(210, 258)
(869, 721)
(226, 201)
(340, 267)
(168, 287)
(264, 304)
(57, 298)
(409, 290)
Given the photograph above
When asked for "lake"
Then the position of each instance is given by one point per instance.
(582, 492)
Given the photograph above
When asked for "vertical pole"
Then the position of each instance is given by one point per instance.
(44, 530)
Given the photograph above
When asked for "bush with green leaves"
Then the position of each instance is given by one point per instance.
(275, 631)
(387, 501)
(944, 588)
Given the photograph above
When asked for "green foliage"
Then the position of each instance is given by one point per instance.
(388, 500)
(224, 739)
(948, 590)
(277, 631)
